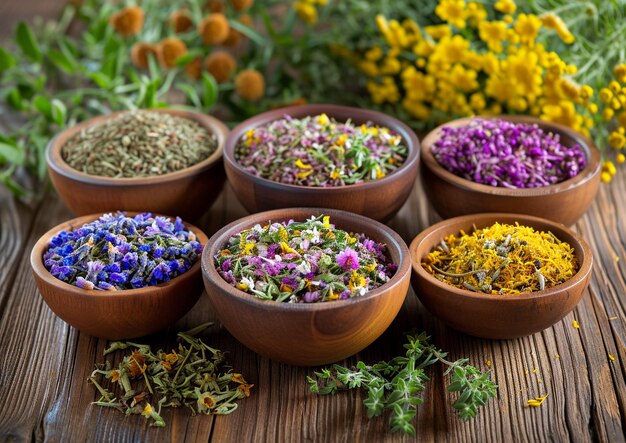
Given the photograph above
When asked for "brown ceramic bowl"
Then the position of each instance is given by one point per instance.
(491, 316)
(120, 314)
(377, 199)
(451, 195)
(187, 193)
(315, 333)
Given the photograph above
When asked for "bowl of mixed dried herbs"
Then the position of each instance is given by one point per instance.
(323, 156)
(514, 164)
(306, 286)
(119, 275)
(162, 160)
(500, 275)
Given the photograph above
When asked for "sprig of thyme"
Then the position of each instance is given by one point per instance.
(396, 384)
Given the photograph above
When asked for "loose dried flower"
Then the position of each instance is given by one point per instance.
(502, 259)
(139, 144)
(128, 21)
(169, 50)
(214, 29)
(140, 52)
(117, 252)
(506, 154)
(319, 151)
(250, 85)
(221, 65)
(181, 21)
(303, 262)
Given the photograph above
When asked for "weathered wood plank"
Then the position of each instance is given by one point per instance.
(45, 363)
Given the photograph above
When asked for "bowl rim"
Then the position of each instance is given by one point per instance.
(392, 240)
(591, 169)
(55, 161)
(37, 266)
(408, 135)
(585, 258)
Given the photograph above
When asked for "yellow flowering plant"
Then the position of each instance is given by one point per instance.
(486, 58)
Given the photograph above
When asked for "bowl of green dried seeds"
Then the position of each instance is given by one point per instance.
(164, 161)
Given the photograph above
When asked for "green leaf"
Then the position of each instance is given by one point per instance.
(11, 185)
(12, 153)
(62, 61)
(6, 59)
(184, 59)
(210, 90)
(100, 79)
(27, 43)
(40, 143)
(14, 99)
(43, 105)
(59, 112)
(250, 33)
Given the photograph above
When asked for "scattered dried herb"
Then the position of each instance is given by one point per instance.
(319, 151)
(502, 259)
(303, 262)
(506, 154)
(139, 144)
(396, 384)
(190, 376)
(118, 252)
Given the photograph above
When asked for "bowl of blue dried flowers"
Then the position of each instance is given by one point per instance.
(324, 156)
(119, 276)
(513, 164)
(306, 286)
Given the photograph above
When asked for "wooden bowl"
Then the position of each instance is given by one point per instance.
(116, 315)
(312, 333)
(451, 195)
(492, 316)
(378, 199)
(187, 193)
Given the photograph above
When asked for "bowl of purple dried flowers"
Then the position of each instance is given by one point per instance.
(513, 164)
(306, 286)
(327, 156)
(119, 276)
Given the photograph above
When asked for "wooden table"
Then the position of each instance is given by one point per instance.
(44, 363)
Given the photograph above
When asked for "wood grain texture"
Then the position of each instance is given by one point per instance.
(44, 363)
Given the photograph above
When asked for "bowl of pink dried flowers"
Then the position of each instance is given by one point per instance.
(323, 156)
(513, 164)
(122, 275)
(306, 286)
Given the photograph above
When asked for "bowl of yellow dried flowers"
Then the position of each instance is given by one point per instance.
(323, 156)
(306, 286)
(515, 164)
(167, 161)
(500, 275)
